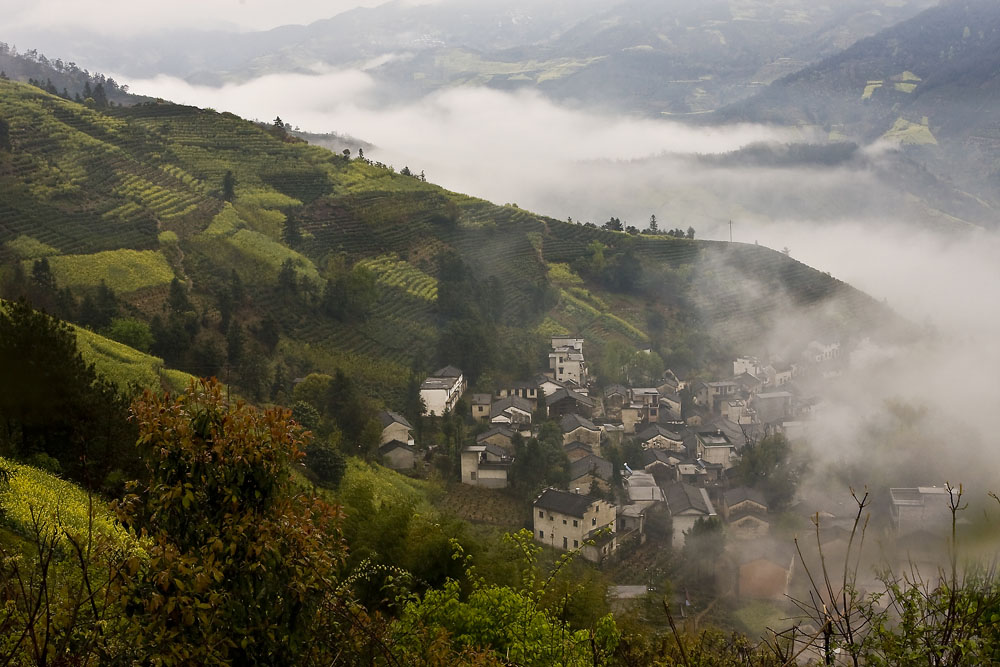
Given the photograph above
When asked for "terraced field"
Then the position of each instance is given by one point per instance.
(135, 196)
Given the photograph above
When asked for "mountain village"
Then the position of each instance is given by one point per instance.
(690, 435)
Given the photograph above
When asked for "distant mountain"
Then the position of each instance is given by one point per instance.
(351, 38)
(930, 84)
(638, 56)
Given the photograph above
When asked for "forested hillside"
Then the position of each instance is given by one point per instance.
(236, 250)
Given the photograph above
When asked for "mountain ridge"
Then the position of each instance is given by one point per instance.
(321, 262)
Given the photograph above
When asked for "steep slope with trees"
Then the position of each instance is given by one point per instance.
(237, 250)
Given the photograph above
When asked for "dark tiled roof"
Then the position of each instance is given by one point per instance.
(615, 389)
(651, 456)
(388, 417)
(591, 464)
(576, 444)
(682, 497)
(564, 502)
(448, 372)
(564, 394)
(395, 444)
(654, 430)
(739, 494)
(495, 450)
(496, 430)
(736, 433)
(503, 404)
(572, 422)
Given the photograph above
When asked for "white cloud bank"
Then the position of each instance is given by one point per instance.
(499, 145)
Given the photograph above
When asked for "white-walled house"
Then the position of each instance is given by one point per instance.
(512, 410)
(565, 520)
(566, 361)
(486, 465)
(687, 504)
(441, 391)
(715, 447)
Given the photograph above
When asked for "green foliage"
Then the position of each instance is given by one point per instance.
(26, 247)
(272, 254)
(540, 461)
(391, 271)
(123, 365)
(350, 294)
(52, 401)
(238, 564)
(326, 462)
(122, 270)
(131, 332)
(512, 622)
(32, 497)
(768, 465)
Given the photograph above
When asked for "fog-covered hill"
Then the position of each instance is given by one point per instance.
(929, 84)
(250, 253)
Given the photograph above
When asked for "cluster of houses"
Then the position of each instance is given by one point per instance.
(685, 457)
(687, 453)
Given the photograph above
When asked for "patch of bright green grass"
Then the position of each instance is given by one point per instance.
(26, 247)
(122, 270)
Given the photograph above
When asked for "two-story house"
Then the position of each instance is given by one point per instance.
(565, 521)
(577, 427)
(566, 363)
(714, 447)
(486, 465)
(512, 410)
(441, 391)
(395, 427)
(527, 390)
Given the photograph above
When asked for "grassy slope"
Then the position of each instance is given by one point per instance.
(33, 495)
(126, 366)
(80, 182)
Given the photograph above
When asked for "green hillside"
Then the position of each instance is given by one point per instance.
(259, 258)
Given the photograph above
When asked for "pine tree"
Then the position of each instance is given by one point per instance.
(228, 186)
(4, 135)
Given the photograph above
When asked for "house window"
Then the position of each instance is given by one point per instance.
(561, 371)
(575, 523)
(472, 475)
(541, 514)
(576, 544)
(541, 534)
(564, 522)
(564, 543)
(593, 522)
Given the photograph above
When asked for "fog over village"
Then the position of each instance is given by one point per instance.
(700, 277)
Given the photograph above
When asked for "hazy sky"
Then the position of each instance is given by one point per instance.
(129, 16)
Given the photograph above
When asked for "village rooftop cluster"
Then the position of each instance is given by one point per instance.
(689, 446)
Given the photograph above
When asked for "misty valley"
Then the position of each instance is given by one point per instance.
(498, 332)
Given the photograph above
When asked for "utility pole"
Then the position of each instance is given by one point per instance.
(730, 231)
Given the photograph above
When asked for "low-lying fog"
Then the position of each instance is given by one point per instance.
(911, 414)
